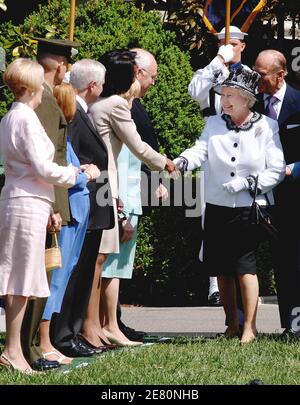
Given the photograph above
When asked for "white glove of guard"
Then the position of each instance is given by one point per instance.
(226, 51)
(236, 185)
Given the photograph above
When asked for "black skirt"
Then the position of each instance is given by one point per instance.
(230, 243)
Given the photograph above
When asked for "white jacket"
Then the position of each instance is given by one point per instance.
(230, 153)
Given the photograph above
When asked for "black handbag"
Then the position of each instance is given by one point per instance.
(121, 218)
(260, 217)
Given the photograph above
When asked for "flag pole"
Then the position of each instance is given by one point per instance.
(227, 21)
(72, 19)
(72, 24)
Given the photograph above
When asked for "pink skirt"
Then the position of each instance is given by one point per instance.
(22, 246)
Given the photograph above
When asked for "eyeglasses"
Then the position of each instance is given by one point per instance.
(153, 77)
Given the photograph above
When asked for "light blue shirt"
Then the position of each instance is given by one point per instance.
(129, 177)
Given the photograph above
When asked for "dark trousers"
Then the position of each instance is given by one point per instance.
(66, 325)
(286, 256)
(286, 251)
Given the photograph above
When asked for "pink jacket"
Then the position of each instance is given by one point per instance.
(27, 154)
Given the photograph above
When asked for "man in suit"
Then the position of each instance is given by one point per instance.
(87, 77)
(54, 55)
(281, 102)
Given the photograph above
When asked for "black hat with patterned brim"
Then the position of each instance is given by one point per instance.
(241, 78)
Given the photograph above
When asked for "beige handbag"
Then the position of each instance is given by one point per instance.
(53, 256)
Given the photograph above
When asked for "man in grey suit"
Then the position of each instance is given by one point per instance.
(87, 77)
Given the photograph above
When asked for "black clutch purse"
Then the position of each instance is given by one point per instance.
(261, 218)
(121, 218)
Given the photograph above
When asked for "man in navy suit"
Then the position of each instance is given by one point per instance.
(280, 101)
(87, 77)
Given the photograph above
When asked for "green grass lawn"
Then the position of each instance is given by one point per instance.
(197, 361)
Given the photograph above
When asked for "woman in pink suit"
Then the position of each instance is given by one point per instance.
(25, 202)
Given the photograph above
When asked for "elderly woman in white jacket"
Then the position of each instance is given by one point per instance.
(237, 145)
(25, 203)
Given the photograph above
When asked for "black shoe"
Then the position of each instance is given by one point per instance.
(214, 300)
(97, 349)
(76, 348)
(45, 365)
(131, 334)
(289, 334)
(255, 382)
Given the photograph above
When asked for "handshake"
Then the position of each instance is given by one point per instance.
(176, 167)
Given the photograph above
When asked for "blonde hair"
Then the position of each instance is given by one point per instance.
(66, 98)
(23, 74)
(133, 91)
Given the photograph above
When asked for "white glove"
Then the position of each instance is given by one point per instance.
(181, 163)
(236, 185)
(226, 51)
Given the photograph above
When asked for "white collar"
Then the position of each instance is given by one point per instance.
(82, 102)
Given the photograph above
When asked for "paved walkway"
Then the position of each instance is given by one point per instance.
(188, 320)
(193, 320)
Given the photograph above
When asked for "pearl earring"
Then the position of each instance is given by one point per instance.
(32, 94)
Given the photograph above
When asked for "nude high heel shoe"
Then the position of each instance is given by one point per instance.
(9, 364)
(113, 339)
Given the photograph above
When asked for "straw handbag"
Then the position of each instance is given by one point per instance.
(53, 256)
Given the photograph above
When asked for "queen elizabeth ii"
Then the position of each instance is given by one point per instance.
(238, 145)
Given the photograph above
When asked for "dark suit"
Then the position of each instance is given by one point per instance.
(147, 132)
(286, 252)
(89, 148)
(55, 125)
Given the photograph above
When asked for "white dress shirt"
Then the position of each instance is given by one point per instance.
(232, 152)
(82, 102)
